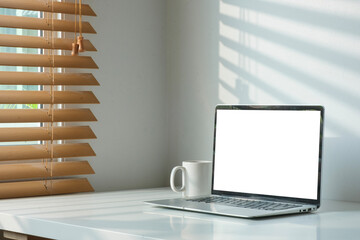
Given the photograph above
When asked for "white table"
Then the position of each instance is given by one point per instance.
(123, 215)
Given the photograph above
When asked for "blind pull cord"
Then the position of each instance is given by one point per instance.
(75, 45)
(80, 40)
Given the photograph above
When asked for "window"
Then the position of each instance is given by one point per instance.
(27, 32)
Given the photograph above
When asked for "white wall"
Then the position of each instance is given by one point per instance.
(132, 142)
(225, 51)
(266, 52)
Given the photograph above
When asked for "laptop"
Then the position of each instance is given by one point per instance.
(266, 162)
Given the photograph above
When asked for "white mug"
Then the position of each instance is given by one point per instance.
(196, 178)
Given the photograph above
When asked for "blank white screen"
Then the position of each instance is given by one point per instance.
(270, 152)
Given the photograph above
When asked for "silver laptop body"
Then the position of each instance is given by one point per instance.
(266, 162)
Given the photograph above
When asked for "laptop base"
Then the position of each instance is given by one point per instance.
(219, 209)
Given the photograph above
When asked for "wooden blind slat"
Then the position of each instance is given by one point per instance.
(42, 115)
(38, 60)
(79, 97)
(46, 6)
(25, 152)
(37, 188)
(44, 133)
(42, 170)
(44, 97)
(40, 42)
(42, 24)
(41, 78)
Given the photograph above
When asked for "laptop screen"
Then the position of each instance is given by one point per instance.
(268, 150)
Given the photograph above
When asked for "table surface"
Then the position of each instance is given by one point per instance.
(123, 215)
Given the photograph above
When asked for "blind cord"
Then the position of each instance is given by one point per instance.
(52, 94)
(51, 107)
(75, 45)
(80, 41)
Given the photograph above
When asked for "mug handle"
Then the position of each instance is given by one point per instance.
(172, 179)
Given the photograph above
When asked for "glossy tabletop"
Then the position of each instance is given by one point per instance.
(123, 215)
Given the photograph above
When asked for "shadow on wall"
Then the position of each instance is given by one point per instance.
(298, 52)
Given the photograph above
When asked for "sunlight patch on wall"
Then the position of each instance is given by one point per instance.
(349, 8)
(318, 36)
(229, 54)
(264, 97)
(229, 9)
(229, 32)
(227, 76)
(226, 96)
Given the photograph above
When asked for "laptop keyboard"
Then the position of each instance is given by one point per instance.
(244, 203)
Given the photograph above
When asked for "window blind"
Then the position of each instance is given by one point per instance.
(51, 166)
